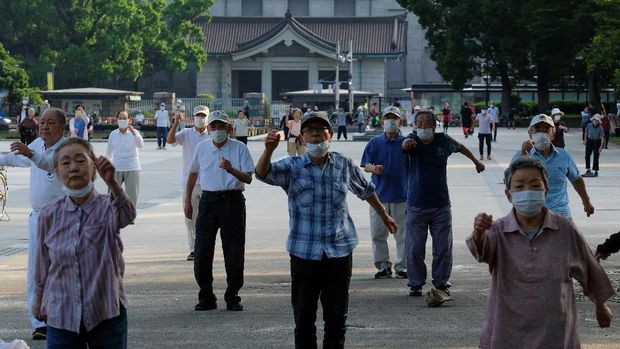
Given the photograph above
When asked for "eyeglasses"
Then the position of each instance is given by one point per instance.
(315, 129)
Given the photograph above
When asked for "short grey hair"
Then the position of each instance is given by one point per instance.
(61, 116)
(525, 162)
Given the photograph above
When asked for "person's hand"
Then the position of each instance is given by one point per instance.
(482, 222)
(21, 149)
(36, 311)
(603, 316)
(226, 165)
(588, 208)
(178, 118)
(188, 210)
(526, 146)
(131, 129)
(377, 169)
(390, 223)
(272, 140)
(409, 144)
(106, 170)
(603, 256)
(479, 166)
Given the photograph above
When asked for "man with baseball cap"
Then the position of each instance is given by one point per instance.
(322, 235)
(188, 138)
(594, 139)
(383, 158)
(224, 166)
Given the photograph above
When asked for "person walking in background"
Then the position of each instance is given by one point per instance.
(446, 117)
(122, 150)
(511, 118)
(79, 270)
(585, 120)
(466, 119)
(383, 158)
(594, 139)
(342, 124)
(494, 113)
(606, 124)
(428, 206)
(373, 114)
(162, 123)
(21, 117)
(322, 235)
(240, 127)
(28, 127)
(284, 124)
(533, 255)
(44, 187)
(361, 119)
(188, 138)
(78, 126)
(485, 127)
(295, 145)
(223, 167)
(560, 128)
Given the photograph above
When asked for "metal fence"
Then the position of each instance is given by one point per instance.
(148, 106)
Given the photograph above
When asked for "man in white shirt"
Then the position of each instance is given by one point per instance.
(162, 123)
(139, 119)
(189, 138)
(494, 111)
(44, 187)
(224, 166)
(123, 145)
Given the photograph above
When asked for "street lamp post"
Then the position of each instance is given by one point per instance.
(337, 83)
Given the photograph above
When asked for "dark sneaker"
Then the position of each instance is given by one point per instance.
(401, 274)
(40, 334)
(190, 256)
(415, 291)
(237, 306)
(588, 173)
(205, 306)
(384, 273)
(436, 297)
(595, 173)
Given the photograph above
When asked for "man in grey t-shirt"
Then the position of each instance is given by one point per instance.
(593, 138)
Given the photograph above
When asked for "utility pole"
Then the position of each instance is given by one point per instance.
(337, 80)
(350, 57)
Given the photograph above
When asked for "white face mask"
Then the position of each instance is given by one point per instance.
(78, 193)
(122, 123)
(161, 107)
(390, 125)
(425, 134)
(556, 117)
(528, 202)
(317, 150)
(200, 122)
(542, 140)
(219, 136)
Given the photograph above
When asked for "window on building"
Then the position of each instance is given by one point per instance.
(344, 8)
(299, 8)
(252, 8)
(396, 73)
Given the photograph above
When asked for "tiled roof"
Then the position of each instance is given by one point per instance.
(370, 35)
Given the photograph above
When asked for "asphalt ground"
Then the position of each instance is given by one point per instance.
(162, 292)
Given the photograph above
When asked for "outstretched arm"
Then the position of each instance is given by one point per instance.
(389, 222)
(465, 151)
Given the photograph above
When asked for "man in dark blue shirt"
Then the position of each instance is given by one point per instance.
(428, 206)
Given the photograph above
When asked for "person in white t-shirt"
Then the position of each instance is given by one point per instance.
(163, 123)
(485, 129)
(189, 138)
(123, 145)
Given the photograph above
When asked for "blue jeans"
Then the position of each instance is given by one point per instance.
(419, 222)
(109, 334)
(162, 133)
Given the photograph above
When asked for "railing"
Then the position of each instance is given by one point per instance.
(148, 106)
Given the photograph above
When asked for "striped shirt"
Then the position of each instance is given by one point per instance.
(79, 269)
(560, 166)
(317, 203)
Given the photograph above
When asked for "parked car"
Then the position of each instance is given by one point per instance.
(4, 122)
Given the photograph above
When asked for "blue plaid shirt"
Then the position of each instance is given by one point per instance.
(317, 203)
(560, 167)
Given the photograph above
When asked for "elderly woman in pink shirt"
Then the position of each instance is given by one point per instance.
(532, 254)
(79, 272)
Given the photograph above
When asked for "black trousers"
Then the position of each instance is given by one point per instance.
(482, 137)
(342, 130)
(223, 211)
(327, 280)
(592, 146)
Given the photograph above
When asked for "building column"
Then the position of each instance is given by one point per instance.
(313, 74)
(266, 83)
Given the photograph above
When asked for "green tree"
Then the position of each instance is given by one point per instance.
(15, 79)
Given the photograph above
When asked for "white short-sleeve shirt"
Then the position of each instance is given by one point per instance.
(189, 138)
(206, 163)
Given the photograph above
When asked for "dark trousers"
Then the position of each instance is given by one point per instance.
(223, 211)
(606, 139)
(592, 146)
(109, 334)
(495, 133)
(327, 280)
(482, 137)
(162, 133)
(243, 139)
(342, 130)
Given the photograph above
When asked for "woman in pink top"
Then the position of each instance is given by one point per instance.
(533, 254)
(79, 272)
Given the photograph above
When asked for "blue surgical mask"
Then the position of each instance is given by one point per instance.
(528, 202)
(317, 150)
(425, 134)
(78, 193)
(219, 136)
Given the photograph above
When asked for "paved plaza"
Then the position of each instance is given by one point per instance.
(162, 292)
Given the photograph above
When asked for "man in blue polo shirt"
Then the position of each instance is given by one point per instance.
(428, 206)
(383, 157)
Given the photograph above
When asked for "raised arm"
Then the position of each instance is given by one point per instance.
(171, 139)
(264, 162)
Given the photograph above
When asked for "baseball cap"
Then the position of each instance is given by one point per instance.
(391, 110)
(315, 116)
(542, 118)
(416, 108)
(201, 109)
(217, 115)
